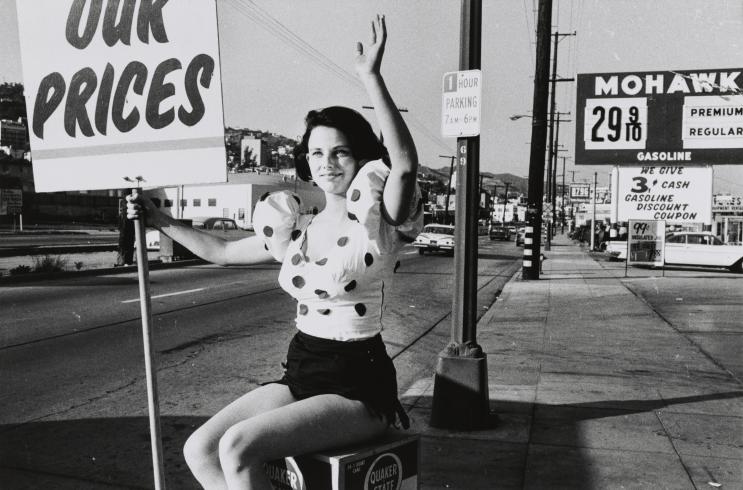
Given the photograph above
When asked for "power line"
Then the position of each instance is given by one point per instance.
(267, 22)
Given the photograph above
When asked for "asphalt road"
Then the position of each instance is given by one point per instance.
(69, 342)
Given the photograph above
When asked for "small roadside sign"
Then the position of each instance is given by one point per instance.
(11, 201)
(646, 242)
(460, 103)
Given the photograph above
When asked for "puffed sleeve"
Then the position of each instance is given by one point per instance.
(275, 220)
(364, 203)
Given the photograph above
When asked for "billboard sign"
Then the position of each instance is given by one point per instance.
(670, 193)
(133, 89)
(646, 241)
(727, 204)
(580, 192)
(661, 117)
(460, 103)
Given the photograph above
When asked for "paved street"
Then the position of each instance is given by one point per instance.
(598, 381)
(71, 354)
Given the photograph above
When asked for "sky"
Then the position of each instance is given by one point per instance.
(280, 59)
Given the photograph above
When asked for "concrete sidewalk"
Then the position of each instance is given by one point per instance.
(593, 390)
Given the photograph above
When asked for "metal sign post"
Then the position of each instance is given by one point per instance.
(460, 395)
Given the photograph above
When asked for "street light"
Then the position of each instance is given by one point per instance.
(518, 116)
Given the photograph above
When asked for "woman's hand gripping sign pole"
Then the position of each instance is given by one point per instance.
(143, 274)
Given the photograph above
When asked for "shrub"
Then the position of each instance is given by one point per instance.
(47, 263)
(21, 269)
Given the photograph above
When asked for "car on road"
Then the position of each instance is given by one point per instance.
(499, 232)
(702, 249)
(222, 227)
(435, 238)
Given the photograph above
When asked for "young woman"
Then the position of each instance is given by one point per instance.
(339, 386)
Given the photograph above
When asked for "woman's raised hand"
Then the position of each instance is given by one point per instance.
(369, 62)
(137, 205)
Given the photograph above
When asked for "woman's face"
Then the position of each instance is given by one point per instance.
(332, 165)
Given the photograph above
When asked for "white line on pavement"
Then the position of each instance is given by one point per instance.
(167, 294)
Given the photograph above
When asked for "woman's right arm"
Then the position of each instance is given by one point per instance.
(213, 249)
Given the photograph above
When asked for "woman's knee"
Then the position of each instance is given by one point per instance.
(201, 448)
(241, 448)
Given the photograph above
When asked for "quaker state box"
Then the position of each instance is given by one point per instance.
(388, 463)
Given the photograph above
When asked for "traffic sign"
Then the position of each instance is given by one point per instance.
(460, 103)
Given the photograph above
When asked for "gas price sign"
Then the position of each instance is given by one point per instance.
(658, 118)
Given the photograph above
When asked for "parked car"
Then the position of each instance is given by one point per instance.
(520, 234)
(500, 232)
(435, 237)
(702, 249)
(222, 227)
(690, 248)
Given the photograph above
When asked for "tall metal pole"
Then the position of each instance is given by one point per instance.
(532, 238)
(460, 398)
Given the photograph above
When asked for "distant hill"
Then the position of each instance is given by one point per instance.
(517, 184)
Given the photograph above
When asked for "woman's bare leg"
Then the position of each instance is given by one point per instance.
(305, 426)
(202, 447)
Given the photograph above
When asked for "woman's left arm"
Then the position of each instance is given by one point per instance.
(400, 185)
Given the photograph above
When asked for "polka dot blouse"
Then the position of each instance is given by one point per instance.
(339, 295)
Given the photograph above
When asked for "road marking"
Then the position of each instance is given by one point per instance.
(167, 294)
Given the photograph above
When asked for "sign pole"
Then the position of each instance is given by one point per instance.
(460, 392)
(146, 309)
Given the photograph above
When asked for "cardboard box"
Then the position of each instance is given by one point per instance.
(388, 463)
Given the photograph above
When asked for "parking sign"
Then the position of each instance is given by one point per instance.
(460, 103)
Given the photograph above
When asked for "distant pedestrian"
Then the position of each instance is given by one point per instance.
(339, 385)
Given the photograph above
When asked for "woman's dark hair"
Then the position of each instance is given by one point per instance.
(363, 143)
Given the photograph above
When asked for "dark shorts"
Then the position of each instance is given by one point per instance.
(358, 370)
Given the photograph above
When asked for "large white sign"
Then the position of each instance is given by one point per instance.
(460, 103)
(122, 89)
(671, 193)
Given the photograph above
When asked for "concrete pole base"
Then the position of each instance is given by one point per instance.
(460, 393)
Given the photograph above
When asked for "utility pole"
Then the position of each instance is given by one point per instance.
(562, 198)
(460, 392)
(593, 218)
(532, 238)
(448, 187)
(556, 150)
(505, 202)
(553, 140)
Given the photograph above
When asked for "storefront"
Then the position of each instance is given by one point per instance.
(727, 215)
